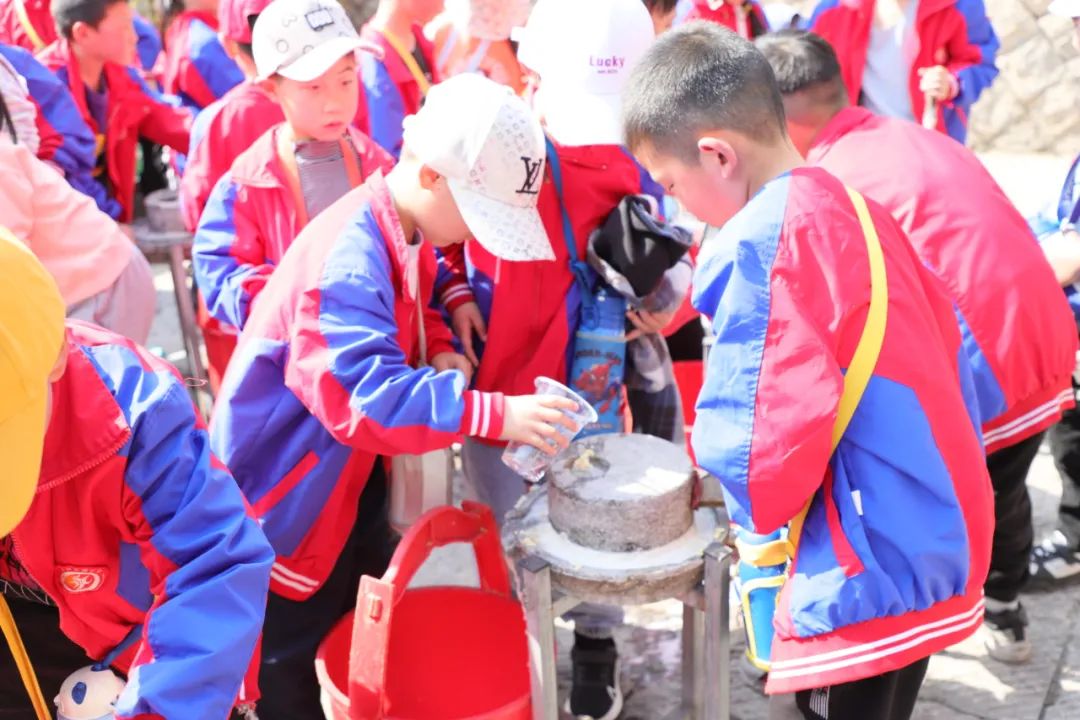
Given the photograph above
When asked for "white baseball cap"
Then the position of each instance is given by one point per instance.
(490, 148)
(584, 64)
(302, 39)
(1065, 8)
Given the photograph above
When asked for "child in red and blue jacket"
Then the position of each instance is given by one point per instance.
(397, 79)
(328, 376)
(893, 501)
(742, 16)
(950, 49)
(264, 201)
(135, 539)
(230, 125)
(1018, 332)
(67, 142)
(526, 314)
(113, 101)
(196, 67)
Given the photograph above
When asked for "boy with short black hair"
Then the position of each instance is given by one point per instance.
(836, 397)
(93, 58)
(1018, 331)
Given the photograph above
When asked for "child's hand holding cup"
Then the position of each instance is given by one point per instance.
(540, 426)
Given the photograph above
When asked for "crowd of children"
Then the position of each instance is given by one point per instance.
(396, 231)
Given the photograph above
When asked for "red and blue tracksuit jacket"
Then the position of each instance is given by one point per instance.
(756, 23)
(323, 383)
(391, 93)
(135, 523)
(1017, 328)
(197, 68)
(250, 221)
(219, 135)
(532, 308)
(134, 111)
(149, 45)
(896, 544)
(954, 33)
(66, 140)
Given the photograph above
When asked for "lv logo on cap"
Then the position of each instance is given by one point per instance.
(532, 175)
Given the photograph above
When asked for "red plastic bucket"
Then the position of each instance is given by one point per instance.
(433, 653)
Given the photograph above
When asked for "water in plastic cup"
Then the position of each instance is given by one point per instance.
(530, 462)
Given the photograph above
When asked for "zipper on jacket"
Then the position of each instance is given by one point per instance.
(88, 465)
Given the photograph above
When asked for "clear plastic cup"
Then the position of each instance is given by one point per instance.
(532, 463)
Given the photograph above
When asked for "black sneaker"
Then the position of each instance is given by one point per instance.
(1005, 635)
(595, 694)
(1054, 563)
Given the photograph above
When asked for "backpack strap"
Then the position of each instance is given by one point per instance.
(581, 270)
(865, 357)
(411, 65)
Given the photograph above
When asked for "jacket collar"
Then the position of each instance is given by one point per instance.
(259, 166)
(60, 54)
(841, 124)
(87, 426)
(386, 216)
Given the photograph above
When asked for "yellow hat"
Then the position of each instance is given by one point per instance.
(31, 336)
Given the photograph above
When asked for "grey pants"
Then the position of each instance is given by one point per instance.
(499, 487)
(127, 306)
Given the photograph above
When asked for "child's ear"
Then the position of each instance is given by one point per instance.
(428, 177)
(79, 31)
(717, 154)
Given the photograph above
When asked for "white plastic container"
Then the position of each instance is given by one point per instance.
(531, 463)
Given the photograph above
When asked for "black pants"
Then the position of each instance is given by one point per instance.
(293, 630)
(53, 656)
(1065, 447)
(883, 697)
(1014, 533)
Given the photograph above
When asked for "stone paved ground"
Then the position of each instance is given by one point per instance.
(962, 682)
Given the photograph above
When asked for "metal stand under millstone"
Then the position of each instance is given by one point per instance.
(706, 638)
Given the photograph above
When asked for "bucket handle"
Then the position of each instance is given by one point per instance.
(475, 524)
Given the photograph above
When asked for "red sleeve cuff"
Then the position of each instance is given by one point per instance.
(483, 416)
(455, 294)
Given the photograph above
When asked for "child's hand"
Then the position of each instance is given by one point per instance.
(647, 322)
(534, 420)
(938, 83)
(453, 361)
(465, 320)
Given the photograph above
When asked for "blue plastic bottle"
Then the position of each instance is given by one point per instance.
(762, 568)
(600, 358)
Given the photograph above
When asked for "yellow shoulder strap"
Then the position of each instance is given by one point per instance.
(410, 62)
(866, 351)
(27, 26)
(22, 661)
